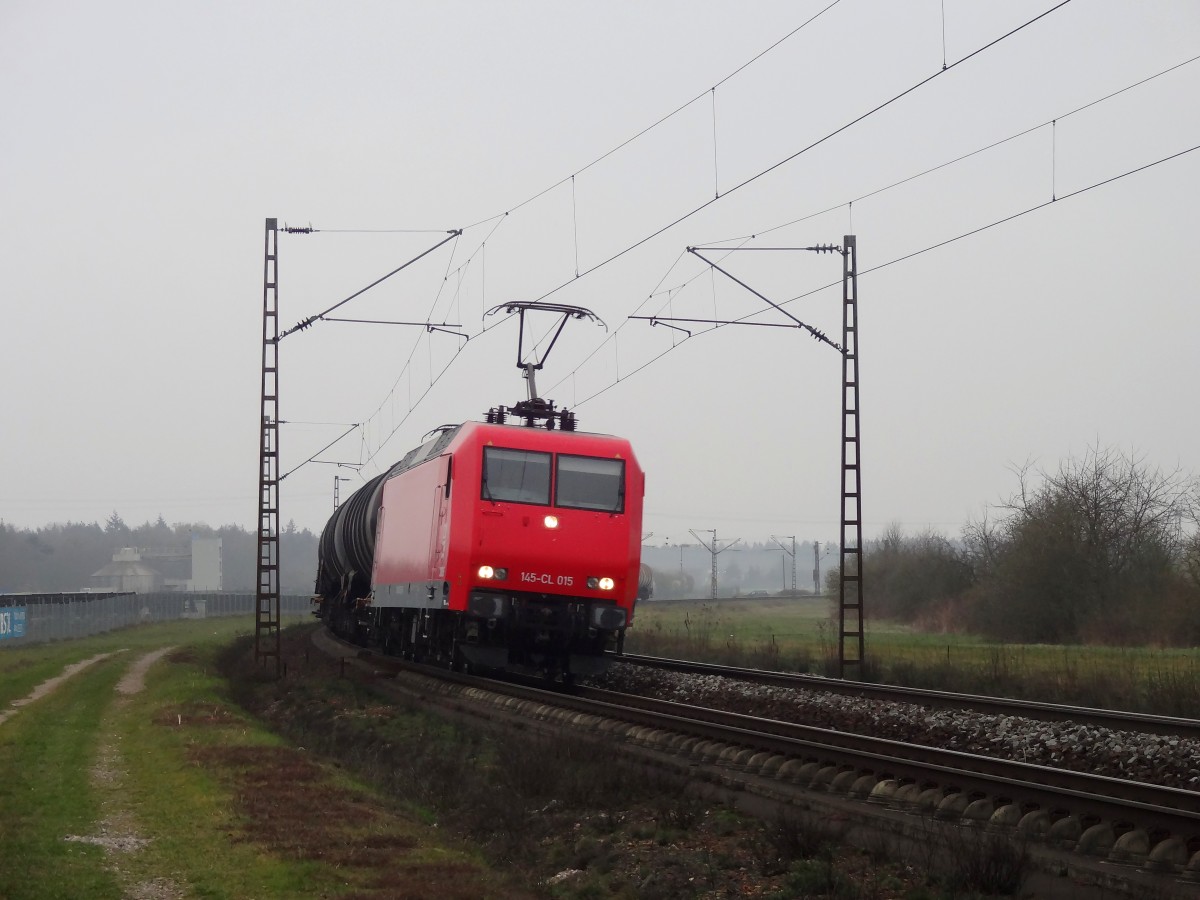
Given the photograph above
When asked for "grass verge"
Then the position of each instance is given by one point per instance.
(46, 753)
(796, 635)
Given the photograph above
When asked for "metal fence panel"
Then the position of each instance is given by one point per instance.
(27, 619)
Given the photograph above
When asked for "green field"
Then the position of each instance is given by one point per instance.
(799, 635)
(217, 804)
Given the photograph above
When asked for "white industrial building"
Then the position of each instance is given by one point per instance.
(130, 569)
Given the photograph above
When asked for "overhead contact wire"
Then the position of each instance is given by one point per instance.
(917, 253)
(716, 179)
(1024, 212)
(957, 159)
(663, 119)
(753, 178)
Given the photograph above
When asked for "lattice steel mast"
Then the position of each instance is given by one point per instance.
(266, 618)
(850, 602)
(850, 589)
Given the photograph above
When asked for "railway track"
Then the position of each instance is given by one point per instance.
(1051, 712)
(1119, 832)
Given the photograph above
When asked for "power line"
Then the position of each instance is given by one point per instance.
(499, 217)
(913, 255)
(407, 367)
(982, 228)
(663, 119)
(1025, 212)
(319, 452)
(744, 239)
(319, 316)
(958, 159)
(802, 151)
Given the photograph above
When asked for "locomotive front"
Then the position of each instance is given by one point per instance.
(548, 559)
(494, 546)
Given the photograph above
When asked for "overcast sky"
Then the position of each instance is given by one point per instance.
(146, 143)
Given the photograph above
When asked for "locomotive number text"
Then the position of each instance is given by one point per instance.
(540, 578)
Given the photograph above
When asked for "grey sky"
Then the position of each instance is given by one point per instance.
(145, 143)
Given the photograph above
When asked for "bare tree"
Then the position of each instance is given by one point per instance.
(1084, 553)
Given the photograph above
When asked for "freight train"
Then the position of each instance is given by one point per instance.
(645, 582)
(493, 545)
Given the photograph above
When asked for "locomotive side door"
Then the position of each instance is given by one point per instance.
(439, 532)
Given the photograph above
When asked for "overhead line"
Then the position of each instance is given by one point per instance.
(454, 233)
(736, 71)
(1076, 193)
(319, 452)
(983, 228)
(804, 150)
(663, 119)
(909, 256)
(955, 160)
(902, 94)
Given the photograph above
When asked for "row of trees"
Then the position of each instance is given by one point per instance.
(1105, 549)
(64, 557)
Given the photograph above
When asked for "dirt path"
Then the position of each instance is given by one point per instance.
(50, 684)
(117, 831)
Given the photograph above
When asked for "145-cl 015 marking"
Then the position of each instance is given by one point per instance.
(539, 578)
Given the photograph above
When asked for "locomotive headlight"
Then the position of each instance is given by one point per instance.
(488, 572)
(602, 584)
(551, 521)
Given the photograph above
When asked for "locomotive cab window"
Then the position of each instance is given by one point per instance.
(587, 482)
(518, 476)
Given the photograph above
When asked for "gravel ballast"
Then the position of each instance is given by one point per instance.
(1150, 758)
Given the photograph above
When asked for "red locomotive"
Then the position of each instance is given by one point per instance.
(492, 546)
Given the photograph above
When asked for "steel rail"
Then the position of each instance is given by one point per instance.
(1174, 809)
(1109, 718)
(1085, 795)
